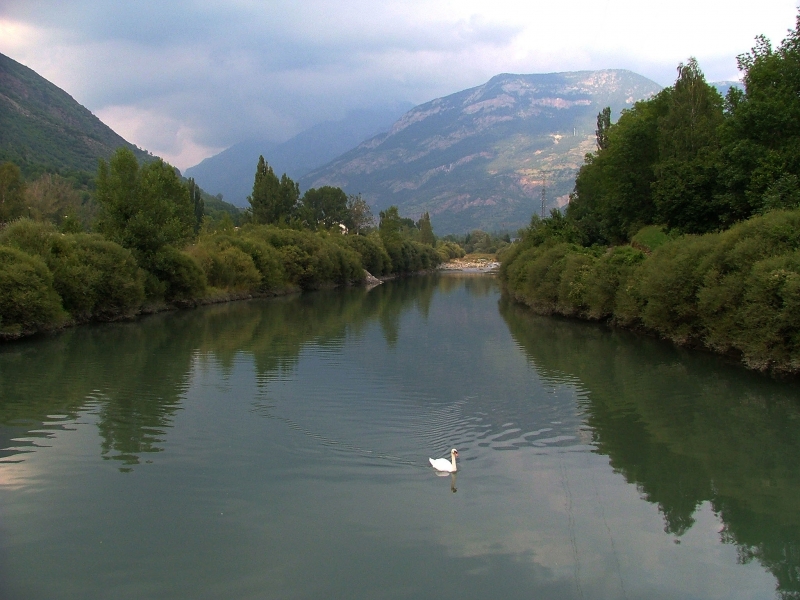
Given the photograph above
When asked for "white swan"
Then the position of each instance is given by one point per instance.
(442, 464)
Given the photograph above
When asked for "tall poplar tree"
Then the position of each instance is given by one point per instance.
(273, 200)
(426, 231)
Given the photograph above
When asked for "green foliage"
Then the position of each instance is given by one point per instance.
(359, 215)
(49, 131)
(482, 242)
(370, 248)
(605, 283)
(407, 255)
(649, 238)
(181, 279)
(685, 190)
(737, 291)
(28, 301)
(603, 124)
(613, 189)
(310, 260)
(273, 200)
(426, 231)
(198, 205)
(12, 192)
(143, 209)
(668, 284)
(95, 278)
(657, 164)
(325, 207)
(448, 250)
(390, 227)
(239, 262)
(216, 210)
(56, 199)
(762, 133)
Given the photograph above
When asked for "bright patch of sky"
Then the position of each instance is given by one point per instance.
(186, 79)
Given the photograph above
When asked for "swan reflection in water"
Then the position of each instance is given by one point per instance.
(452, 479)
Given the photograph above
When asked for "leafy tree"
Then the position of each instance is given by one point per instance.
(761, 139)
(390, 227)
(54, 198)
(613, 190)
(273, 200)
(143, 209)
(426, 231)
(359, 215)
(603, 124)
(12, 192)
(326, 207)
(685, 189)
(196, 197)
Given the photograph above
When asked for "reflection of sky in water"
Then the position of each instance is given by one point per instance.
(312, 481)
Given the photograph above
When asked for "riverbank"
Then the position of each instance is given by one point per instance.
(50, 280)
(734, 293)
(472, 264)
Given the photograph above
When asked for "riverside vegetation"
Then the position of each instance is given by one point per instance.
(686, 220)
(153, 245)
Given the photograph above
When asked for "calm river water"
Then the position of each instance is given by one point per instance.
(279, 449)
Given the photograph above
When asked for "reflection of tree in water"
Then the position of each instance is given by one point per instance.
(685, 428)
(135, 374)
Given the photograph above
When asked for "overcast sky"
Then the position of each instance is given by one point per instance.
(188, 78)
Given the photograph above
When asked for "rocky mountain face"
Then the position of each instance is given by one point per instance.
(480, 158)
(44, 128)
(231, 172)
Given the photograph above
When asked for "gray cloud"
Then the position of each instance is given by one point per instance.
(188, 77)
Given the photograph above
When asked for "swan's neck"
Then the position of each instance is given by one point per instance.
(453, 461)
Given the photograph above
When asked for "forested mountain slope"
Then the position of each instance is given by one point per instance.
(44, 128)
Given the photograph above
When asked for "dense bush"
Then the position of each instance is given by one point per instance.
(448, 250)
(28, 301)
(735, 291)
(95, 278)
(603, 282)
(180, 278)
(370, 248)
(226, 266)
(310, 260)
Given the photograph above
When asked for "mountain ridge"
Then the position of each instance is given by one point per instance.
(42, 127)
(231, 171)
(479, 158)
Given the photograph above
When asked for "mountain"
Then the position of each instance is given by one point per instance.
(481, 157)
(723, 86)
(231, 171)
(44, 128)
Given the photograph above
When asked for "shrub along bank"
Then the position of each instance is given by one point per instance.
(50, 279)
(154, 249)
(734, 292)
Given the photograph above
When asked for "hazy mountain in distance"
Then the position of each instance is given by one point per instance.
(42, 127)
(231, 172)
(479, 158)
(723, 86)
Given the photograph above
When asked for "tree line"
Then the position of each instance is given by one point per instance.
(684, 222)
(145, 241)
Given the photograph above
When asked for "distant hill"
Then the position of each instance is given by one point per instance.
(479, 158)
(231, 172)
(44, 128)
(724, 86)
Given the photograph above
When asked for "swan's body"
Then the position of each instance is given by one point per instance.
(442, 464)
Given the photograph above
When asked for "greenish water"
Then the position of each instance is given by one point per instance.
(279, 449)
